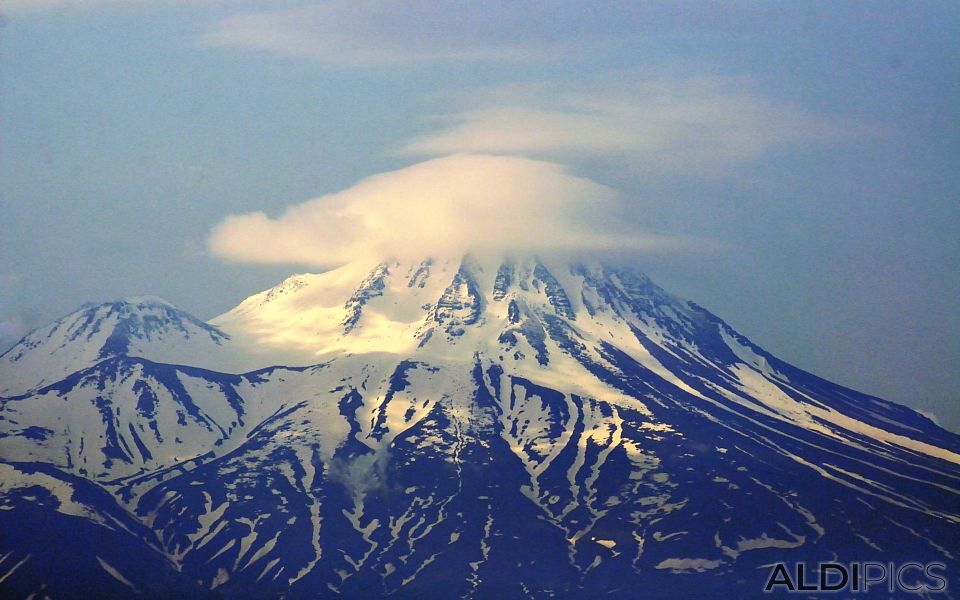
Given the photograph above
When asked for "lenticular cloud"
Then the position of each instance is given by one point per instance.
(443, 206)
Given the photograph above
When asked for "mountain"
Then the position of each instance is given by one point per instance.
(143, 326)
(437, 428)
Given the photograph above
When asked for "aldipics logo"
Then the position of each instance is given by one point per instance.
(859, 577)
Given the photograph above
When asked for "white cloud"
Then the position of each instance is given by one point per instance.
(443, 206)
(383, 32)
(378, 32)
(695, 126)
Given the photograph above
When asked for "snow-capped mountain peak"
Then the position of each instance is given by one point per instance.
(434, 418)
(142, 326)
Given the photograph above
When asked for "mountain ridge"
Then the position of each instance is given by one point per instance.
(398, 427)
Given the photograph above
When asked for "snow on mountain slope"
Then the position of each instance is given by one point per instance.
(435, 419)
(359, 308)
(60, 526)
(127, 420)
(536, 318)
(143, 326)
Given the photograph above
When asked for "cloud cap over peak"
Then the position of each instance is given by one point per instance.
(447, 206)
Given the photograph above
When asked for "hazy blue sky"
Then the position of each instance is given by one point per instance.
(813, 148)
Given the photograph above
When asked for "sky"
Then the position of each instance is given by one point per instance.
(793, 167)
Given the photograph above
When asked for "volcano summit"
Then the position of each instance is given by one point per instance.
(469, 428)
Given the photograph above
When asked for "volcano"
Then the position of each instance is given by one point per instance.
(447, 428)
